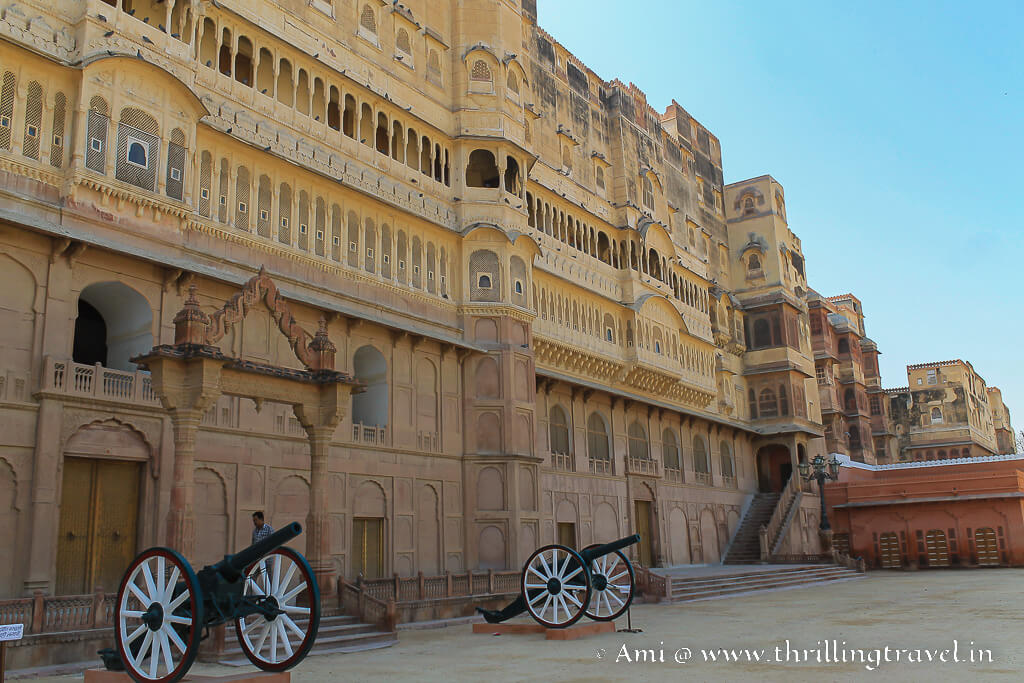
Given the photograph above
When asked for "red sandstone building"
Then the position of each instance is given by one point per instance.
(952, 513)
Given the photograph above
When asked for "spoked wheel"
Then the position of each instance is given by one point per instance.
(556, 586)
(613, 580)
(159, 617)
(280, 636)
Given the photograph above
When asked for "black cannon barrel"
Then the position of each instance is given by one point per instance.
(233, 565)
(591, 554)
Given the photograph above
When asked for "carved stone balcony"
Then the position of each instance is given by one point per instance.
(674, 475)
(646, 467)
(702, 478)
(601, 466)
(98, 382)
(429, 442)
(370, 435)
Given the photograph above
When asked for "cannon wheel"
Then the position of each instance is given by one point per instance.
(280, 643)
(159, 617)
(556, 586)
(613, 581)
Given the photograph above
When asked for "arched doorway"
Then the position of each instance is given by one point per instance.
(889, 554)
(774, 468)
(99, 507)
(938, 548)
(114, 324)
(644, 524)
(370, 407)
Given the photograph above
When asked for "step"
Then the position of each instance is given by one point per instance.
(723, 588)
(768, 569)
(727, 593)
(336, 635)
(752, 576)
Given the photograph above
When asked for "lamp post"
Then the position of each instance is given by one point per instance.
(820, 471)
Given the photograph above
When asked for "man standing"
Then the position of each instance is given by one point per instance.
(262, 529)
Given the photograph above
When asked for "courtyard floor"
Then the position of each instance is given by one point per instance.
(919, 613)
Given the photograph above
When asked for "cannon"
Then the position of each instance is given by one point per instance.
(560, 585)
(164, 608)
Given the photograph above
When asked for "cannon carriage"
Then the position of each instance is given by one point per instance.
(164, 608)
(560, 585)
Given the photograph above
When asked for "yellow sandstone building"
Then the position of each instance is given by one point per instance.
(558, 322)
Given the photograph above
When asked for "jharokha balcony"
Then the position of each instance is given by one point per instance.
(563, 462)
(643, 466)
(98, 382)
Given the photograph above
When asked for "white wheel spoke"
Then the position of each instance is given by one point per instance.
(176, 602)
(607, 602)
(173, 636)
(286, 581)
(544, 609)
(148, 576)
(158, 580)
(165, 647)
(275, 587)
(543, 562)
(147, 642)
(273, 642)
(618, 576)
(253, 624)
(574, 573)
(255, 587)
(287, 597)
(131, 614)
(554, 604)
(154, 658)
(284, 638)
(134, 590)
(534, 570)
(617, 599)
(266, 577)
(536, 585)
(171, 583)
(184, 621)
(573, 599)
(293, 609)
(135, 634)
(561, 599)
(293, 626)
(263, 638)
(538, 597)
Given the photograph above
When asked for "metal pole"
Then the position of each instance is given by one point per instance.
(825, 526)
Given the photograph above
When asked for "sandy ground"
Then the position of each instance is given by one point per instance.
(925, 610)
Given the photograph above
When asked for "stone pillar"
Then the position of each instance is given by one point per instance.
(318, 543)
(45, 509)
(181, 519)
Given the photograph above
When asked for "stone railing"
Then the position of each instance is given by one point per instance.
(429, 442)
(58, 614)
(652, 586)
(600, 466)
(645, 466)
(564, 462)
(674, 474)
(844, 560)
(371, 435)
(702, 478)
(772, 531)
(97, 381)
(728, 482)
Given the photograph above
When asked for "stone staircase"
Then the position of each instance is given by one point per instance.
(771, 578)
(746, 544)
(337, 635)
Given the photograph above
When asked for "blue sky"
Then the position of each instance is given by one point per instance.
(897, 130)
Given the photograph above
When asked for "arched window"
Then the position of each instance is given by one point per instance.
(558, 429)
(754, 262)
(850, 400)
(748, 205)
(767, 404)
(598, 449)
(670, 450)
(482, 170)
(370, 407)
(728, 465)
(638, 446)
(402, 41)
(513, 82)
(936, 416)
(783, 400)
(368, 20)
(480, 71)
(701, 463)
(648, 193)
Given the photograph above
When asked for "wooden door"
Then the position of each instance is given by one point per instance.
(98, 524)
(987, 547)
(368, 545)
(567, 534)
(889, 550)
(938, 548)
(642, 520)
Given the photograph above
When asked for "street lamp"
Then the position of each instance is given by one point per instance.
(820, 471)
